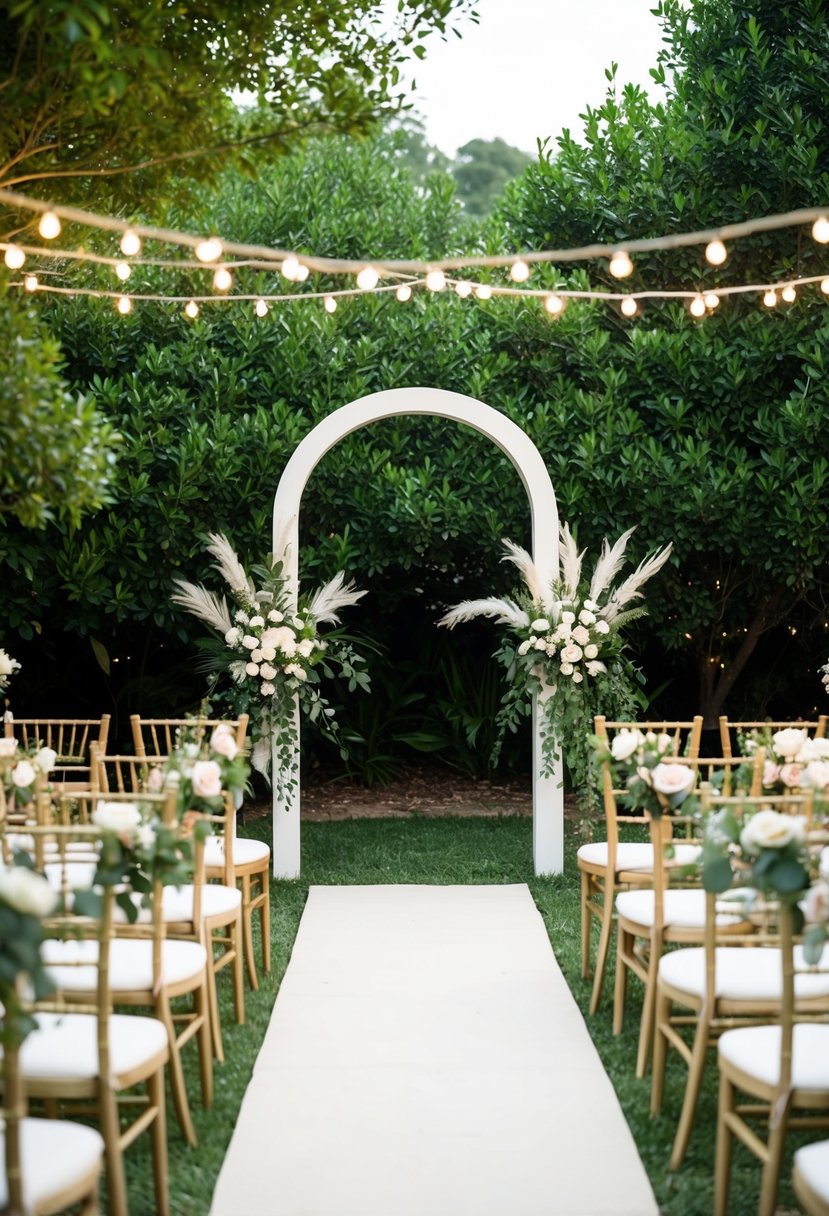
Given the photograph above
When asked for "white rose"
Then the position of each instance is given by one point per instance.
(26, 892)
(596, 668)
(305, 648)
(562, 634)
(672, 779)
(601, 627)
(591, 651)
(8, 747)
(45, 759)
(541, 625)
(787, 743)
(8, 665)
(191, 750)
(232, 636)
(581, 635)
(577, 677)
(145, 836)
(625, 743)
(250, 643)
(267, 689)
(587, 617)
(817, 774)
(268, 653)
(256, 622)
(568, 618)
(223, 742)
(539, 644)
(241, 617)
(525, 646)
(771, 830)
(23, 774)
(207, 779)
(591, 607)
(172, 779)
(267, 672)
(816, 903)
(813, 749)
(792, 775)
(566, 669)
(256, 656)
(273, 615)
(294, 669)
(571, 653)
(297, 622)
(122, 818)
(251, 669)
(283, 639)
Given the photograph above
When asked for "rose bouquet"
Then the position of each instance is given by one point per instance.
(271, 652)
(793, 760)
(642, 766)
(8, 666)
(564, 641)
(766, 851)
(19, 771)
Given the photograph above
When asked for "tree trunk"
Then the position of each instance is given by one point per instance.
(715, 682)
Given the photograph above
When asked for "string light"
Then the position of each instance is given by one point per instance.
(820, 230)
(130, 243)
(261, 308)
(715, 253)
(620, 265)
(367, 278)
(770, 298)
(122, 271)
(519, 271)
(711, 299)
(483, 291)
(14, 257)
(49, 226)
(629, 306)
(222, 279)
(554, 305)
(30, 282)
(435, 280)
(404, 292)
(824, 286)
(697, 307)
(330, 304)
(209, 250)
(789, 294)
(191, 308)
(124, 305)
(463, 289)
(302, 273)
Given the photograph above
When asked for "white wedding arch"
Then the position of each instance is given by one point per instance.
(548, 819)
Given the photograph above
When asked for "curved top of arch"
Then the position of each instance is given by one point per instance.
(503, 432)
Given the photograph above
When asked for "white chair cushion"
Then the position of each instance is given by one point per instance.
(54, 1155)
(77, 875)
(177, 904)
(65, 1045)
(756, 1050)
(812, 1163)
(682, 909)
(634, 856)
(245, 852)
(130, 964)
(743, 973)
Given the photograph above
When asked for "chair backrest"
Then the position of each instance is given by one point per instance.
(685, 735)
(816, 728)
(158, 737)
(69, 737)
(123, 774)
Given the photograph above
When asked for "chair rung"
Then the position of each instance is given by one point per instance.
(138, 1126)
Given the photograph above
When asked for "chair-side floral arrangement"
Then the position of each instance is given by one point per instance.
(8, 666)
(565, 639)
(20, 770)
(793, 762)
(642, 766)
(270, 652)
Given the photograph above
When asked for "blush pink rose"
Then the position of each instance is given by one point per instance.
(207, 779)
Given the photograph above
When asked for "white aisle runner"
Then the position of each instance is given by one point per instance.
(425, 1058)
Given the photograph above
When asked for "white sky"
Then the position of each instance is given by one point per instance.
(529, 67)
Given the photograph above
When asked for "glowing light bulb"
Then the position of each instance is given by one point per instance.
(554, 305)
(824, 286)
(290, 268)
(49, 226)
(330, 304)
(30, 282)
(820, 230)
(789, 294)
(222, 279)
(122, 271)
(261, 308)
(404, 292)
(519, 271)
(124, 305)
(302, 273)
(629, 306)
(463, 289)
(14, 257)
(697, 307)
(191, 308)
(209, 250)
(711, 299)
(367, 278)
(483, 291)
(435, 280)
(620, 265)
(130, 243)
(770, 298)
(715, 253)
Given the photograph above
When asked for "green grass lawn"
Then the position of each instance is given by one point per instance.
(444, 851)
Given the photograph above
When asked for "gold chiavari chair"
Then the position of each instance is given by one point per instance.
(728, 730)
(70, 738)
(610, 865)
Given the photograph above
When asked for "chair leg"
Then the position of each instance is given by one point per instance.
(604, 946)
(585, 925)
(247, 928)
(624, 945)
(265, 920)
(692, 1088)
(771, 1170)
(725, 1146)
(177, 1085)
(643, 1054)
(213, 1004)
(111, 1132)
(236, 934)
(158, 1136)
(202, 1010)
(662, 1013)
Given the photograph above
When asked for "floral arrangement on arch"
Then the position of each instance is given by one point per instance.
(271, 652)
(564, 641)
(642, 765)
(8, 666)
(794, 761)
